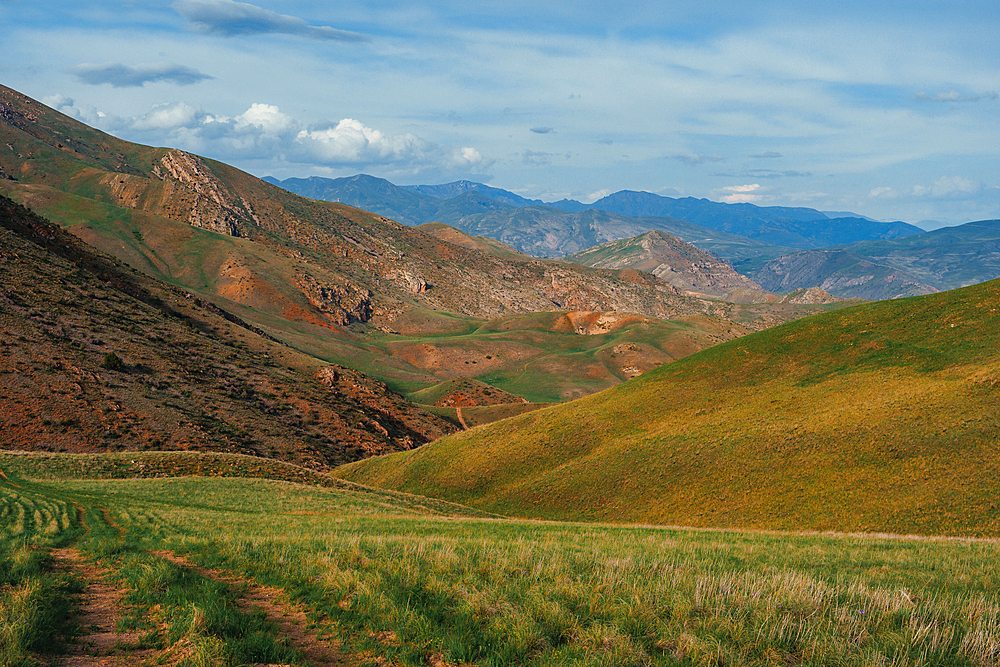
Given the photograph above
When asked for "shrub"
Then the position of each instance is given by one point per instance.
(113, 362)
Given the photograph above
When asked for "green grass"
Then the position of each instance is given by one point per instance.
(874, 418)
(34, 599)
(399, 586)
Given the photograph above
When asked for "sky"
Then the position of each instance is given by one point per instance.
(885, 109)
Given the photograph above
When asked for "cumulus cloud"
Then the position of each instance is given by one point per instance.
(351, 142)
(955, 96)
(124, 76)
(741, 194)
(693, 159)
(168, 117)
(542, 130)
(950, 187)
(264, 133)
(883, 192)
(228, 18)
(594, 196)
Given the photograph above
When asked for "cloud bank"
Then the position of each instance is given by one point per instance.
(123, 76)
(694, 160)
(955, 96)
(230, 19)
(264, 132)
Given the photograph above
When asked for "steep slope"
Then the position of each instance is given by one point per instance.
(376, 268)
(840, 272)
(95, 356)
(681, 264)
(879, 417)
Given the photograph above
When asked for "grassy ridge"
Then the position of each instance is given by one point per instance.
(399, 586)
(877, 418)
(152, 465)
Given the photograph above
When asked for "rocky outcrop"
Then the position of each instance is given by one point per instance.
(813, 295)
(193, 193)
(343, 303)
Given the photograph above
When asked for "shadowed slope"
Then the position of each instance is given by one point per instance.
(879, 417)
(95, 356)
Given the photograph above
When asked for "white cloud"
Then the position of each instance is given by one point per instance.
(468, 157)
(267, 117)
(955, 96)
(883, 192)
(741, 194)
(351, 142)
(694, 159)
(264, 133)
(954, 186)
(168, 117)
(594, 196)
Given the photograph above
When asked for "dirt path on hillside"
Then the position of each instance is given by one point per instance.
(98, 609)
(458, 411)
(290, 620)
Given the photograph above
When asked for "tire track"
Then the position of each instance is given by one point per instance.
(98, 611)
(291, 620)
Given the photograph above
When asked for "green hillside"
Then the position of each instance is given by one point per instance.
(880, 417)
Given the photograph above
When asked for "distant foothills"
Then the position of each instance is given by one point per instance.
(780, 248)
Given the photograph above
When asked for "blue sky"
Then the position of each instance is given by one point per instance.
(889, 110)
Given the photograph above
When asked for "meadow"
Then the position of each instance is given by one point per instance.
(401, 582)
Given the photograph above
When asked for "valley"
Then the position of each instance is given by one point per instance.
(342, 422)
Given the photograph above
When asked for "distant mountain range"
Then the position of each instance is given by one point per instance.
(561, 228)
(888, 268)
(781, 248)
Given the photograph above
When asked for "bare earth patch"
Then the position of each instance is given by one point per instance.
(99, 609)
(291, 620)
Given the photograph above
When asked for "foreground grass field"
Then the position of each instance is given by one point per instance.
(399, 585)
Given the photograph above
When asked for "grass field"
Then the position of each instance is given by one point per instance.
(398, 585)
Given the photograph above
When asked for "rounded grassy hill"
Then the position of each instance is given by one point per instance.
(881, 417)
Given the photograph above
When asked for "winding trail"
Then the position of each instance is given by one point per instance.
(458, 411)
(290, 620)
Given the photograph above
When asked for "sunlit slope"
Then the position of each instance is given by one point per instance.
(881, 417)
